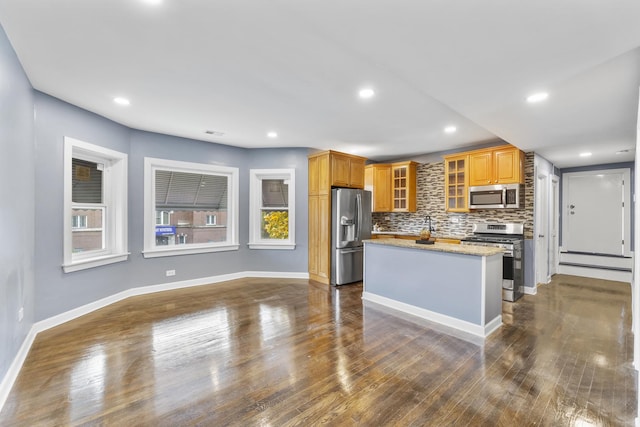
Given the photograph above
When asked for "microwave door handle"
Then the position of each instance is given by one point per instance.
(504, 197)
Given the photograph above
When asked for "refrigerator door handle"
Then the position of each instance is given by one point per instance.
(358, 216)
(350, 251)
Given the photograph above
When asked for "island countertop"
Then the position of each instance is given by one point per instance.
(439, 247)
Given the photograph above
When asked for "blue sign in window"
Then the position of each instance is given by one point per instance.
(165, 230)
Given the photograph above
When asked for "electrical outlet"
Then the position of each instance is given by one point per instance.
(20, 314)
(455, 219)
(170, 273)
(387, 218)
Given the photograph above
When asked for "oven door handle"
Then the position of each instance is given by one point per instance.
(504, 197)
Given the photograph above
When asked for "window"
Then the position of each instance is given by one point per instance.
(162, 217)
(272, 209)
(189, 208)
(95, 206)
(79, 221)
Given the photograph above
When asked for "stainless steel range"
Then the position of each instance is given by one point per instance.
(509, 237)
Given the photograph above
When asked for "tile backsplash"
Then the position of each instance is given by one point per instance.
(430, 180)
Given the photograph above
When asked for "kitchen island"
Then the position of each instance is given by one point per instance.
(454, 285)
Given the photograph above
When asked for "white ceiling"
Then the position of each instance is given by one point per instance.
(246, 67)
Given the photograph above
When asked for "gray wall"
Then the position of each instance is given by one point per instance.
(58, 292)
(17, 200)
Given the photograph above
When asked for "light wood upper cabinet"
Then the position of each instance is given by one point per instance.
(404, 189)
(393, 186)
(377, 179)
(347, 170)
(509, 166)
(496, 165)
(456, 178)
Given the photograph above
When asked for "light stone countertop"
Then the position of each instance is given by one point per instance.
(439, 247)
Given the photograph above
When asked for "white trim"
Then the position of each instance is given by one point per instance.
(188, 250)
(94, 262)
(255, 204)
(271, 246)
(14, 369)
(16, 365)
(483, 288)
(461, 325)
(530, 291)
(150, 250)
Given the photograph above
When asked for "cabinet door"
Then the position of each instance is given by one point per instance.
(404, 187)
(313, 176)
(456, 184)
(378, 181)
(324, 237)
(319, 233)
(481, 168)
(324, 183)
(507, 166)
(356, 173)
(319, 175)
(340, 170)
(314, 234)
(382, 186)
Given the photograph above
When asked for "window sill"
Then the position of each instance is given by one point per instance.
(278, 246)
(156, 253)
(94, 262)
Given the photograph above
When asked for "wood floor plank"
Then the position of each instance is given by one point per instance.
(292, 352)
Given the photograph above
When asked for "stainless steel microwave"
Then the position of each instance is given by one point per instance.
(504, 196)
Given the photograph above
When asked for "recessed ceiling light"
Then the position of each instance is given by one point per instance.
(366, 93)
(537, 97)
(121, 101)
(272, 134)
(450, 129)
(587, 154)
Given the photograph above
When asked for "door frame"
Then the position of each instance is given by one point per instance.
(541, 228)
(554, 226)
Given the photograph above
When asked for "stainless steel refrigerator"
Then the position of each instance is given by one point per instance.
(350, 225)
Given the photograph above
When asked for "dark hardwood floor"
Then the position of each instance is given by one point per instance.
(282, 352)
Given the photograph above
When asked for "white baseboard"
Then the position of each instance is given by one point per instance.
(14, 369)
(16, 365)
(530, 291)
(432, 316)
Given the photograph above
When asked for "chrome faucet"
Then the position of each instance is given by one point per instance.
(428, 220)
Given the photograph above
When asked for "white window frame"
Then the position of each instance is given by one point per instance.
(114, 176)
(150, 248)
(213, 217)
(255, 207)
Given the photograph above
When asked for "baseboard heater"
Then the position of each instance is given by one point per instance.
(599, 267)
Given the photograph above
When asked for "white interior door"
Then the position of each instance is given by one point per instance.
(594, 212)
(541, 229)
